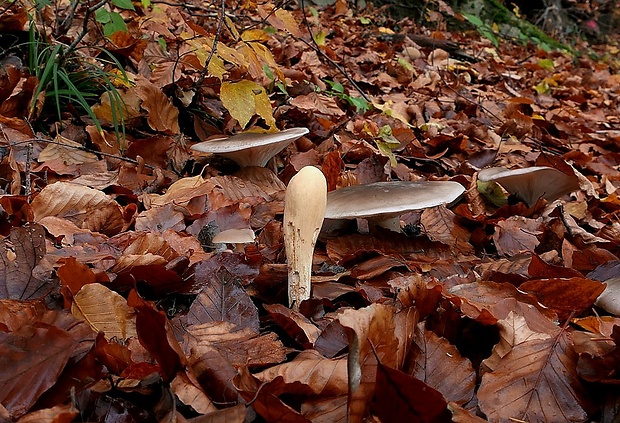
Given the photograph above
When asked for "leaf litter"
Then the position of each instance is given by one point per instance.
(116, 304)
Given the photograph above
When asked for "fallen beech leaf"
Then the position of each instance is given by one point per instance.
(329, 410)
(325, 376)
(31, 359)
(86, 207)
(318, 103)
(162, 116)
(535, 382)
(265, 400)
(401, 397)
(18, 257)
(238, 345)
(524, 323)
(440, 225)
(296, 325)
(67, 151)
(368, 328)
(192, 395)
(280, 19)
(565, 296)
(57, 414)
(516, 235)
(155, 334)
(105, 311)
(439, 364)
(245, 99)
(223, 299)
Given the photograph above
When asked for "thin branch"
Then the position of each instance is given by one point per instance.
(88, 150)
(316, 48)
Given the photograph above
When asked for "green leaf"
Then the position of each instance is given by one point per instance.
(146, 3)
(361, 105)
(473, 19)
(116, 24)
(123, 4)
(365, 21)
(546, 64)
(102, 16)
(492, 192)
(162, 43)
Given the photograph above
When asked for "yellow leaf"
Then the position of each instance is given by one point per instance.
(244, 99)
(280, 19)
(253, 35)
(264, 53)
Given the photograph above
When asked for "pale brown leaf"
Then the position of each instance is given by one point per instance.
(373, 325)
(535, 382)
(86, 207)
(105, 311)
(325, 376)
(440, 225)
(441, 366)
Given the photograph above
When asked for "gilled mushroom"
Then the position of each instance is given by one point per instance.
(250, 148)
(304, 208)
(382, 203)
(532, 183)
(238, 237)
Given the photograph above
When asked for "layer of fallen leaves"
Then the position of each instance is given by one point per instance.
(116, 306)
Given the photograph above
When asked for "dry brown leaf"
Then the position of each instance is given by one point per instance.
(439, 224)
(105, 311)
(370, 330)
(223, 299)
(517, 235)
(441, 366)
(535, 382)
(325, 376)
(162, 115)
(67, 151)
(239, 346)
(190, 394)
(85, 207)
(524, 323)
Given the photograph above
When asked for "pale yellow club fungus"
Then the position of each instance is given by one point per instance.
(304, 210)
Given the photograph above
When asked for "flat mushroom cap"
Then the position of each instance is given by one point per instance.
(234, 236)
(250, 148)
(387, 199)
(532, 183)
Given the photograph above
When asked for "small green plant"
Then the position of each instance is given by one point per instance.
(483, 28)
(66, 77)
(336, 89)
(113, 21)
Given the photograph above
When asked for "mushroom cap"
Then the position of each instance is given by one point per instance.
(234, 236)
(251, 148)
(387, 199)
(532, 183)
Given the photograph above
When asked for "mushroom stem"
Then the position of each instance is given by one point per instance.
(391, 223)
(304, 210)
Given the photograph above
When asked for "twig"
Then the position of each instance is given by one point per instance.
(316, 48)
(88, 150)
(27, 171)
(89, 10)
(218, 33)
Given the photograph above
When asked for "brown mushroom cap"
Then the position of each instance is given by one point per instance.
(532, 183)
(250, 148)
(386, 200)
